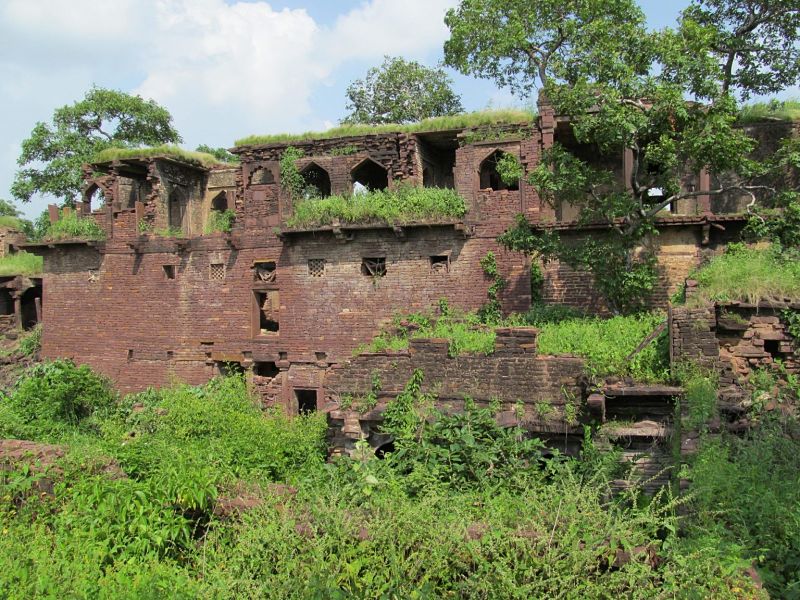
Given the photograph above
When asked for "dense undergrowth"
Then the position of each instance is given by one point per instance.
(405, 204)
(462, 508)
(604, 343)
(73, 226)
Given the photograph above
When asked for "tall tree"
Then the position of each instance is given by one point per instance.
(52, 156)
(401, 91)
(668, 97)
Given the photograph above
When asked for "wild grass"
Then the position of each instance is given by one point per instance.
(21, 263)
(74, 226)
(405, 204)
(462, 121)
(605, 343)
(9, 222)
(773, 110)
(201, 159)
(749, 275)
(219, 221)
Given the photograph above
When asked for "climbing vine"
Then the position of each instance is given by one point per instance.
(491, 312)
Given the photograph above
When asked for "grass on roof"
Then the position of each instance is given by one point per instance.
(20, 263)
(9, 222)
(774, 110)
(201, 159)
(405, 204)
(464, 120)
(749, 275)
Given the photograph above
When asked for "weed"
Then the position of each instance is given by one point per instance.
(74, 226)
(404, 204)
(220, 221)
(201, 159)
(21, 263)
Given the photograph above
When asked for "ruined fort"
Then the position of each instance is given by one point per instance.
(291, 305)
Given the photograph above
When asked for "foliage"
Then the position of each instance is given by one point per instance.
(774, 110)
(52, 156)
(624, 276)
(401, 91)
(404, 204)
(343, 150)
(52, 395)
(222, 155)
(595, 62)
(749, 275)
(745, 496)
(606, 344)
(700, 396)
(220, 221)
(509, 169)
(73, 226)
(21, 263)
(200, 159)
(491, 312)
(460, 121)
(780, 225)
(31, 343)
(292, 181)
(37, 229)
(471, 511)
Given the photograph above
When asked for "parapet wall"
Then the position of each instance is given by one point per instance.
(531, 390)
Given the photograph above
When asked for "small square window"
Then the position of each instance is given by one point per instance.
(440, 264)
(316, 267)
(373, 267)
(265, 271)
(216, 272)
(169, 271)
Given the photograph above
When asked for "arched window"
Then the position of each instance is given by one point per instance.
(317, 181)
(490, 178)
(371, 175)
(220, 202)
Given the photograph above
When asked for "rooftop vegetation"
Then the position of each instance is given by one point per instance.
(405, 204)
(20, 263)
(773, 110)
(749, 275)
(10, 222)
(604, 343)
(461, 121)
(73, 226)
(200, 159)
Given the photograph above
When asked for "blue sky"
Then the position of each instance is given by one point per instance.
(224, 68)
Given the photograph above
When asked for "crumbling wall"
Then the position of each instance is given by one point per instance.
(531, 390)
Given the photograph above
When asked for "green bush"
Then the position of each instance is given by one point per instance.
(220, 221)
(51, 395)
(404, 204)
(73, 226)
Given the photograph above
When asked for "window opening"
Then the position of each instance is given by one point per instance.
(268, 305)
(262, 176)
(265, 271)
(229, 368)
(316, 267)
(265, 369)
(371, 175)
(490, 178)
(169, 271)
(216, 271)
(373, 267)
(317, 182)
(306, 401)
(440, 264)
(220, 202)
(6, 303)
(177, 209)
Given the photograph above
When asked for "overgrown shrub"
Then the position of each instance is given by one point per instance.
(404, 204)
(74, 226)
(220, 221)
(51, 395)
(21, 263)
